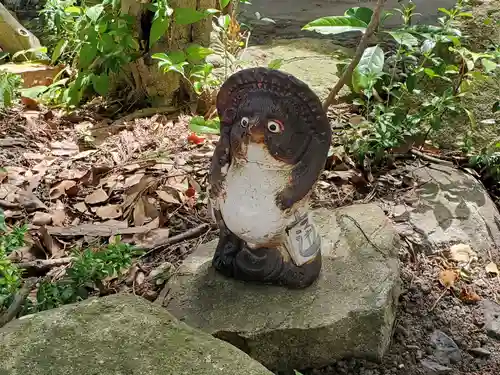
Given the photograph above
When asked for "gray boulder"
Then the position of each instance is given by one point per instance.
(115, 335)
(449, 207)
(348, 311)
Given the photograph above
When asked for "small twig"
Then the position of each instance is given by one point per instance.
(18, 301)
(431, 158)
(438, 299)
(372, 26)
(193, 232)
(145, 112)
(42, 264)
(9, 205)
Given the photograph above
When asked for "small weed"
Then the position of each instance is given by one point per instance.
(87, 273)
(10, 276)
(10, 84)
(406, 93)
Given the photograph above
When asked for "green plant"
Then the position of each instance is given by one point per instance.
(86, 273)
(10, 84)
(10, 276)
(200, 125)
(190, 64)
(407, 92)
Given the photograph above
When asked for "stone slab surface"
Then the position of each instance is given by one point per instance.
(310, 60)
(291, 15)
(348, 311)
(449, 207)
(115, 335)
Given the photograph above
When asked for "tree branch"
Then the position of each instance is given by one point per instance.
(372, 26)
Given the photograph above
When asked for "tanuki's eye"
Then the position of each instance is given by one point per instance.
(244, 122)
(274, 126)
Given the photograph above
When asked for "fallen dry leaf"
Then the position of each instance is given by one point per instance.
(152, 238)
(133, 180)
(139, 278)
(447, 278)
(42, 218)
(167, 197)
(64, 148)
(83, 154)
(58, 216)
(29, 201)
(97, 196)
(61, 189)
(50, 244)
(81, 207)
(111, 211)
(139, 213)
(468, 295)
(491, 268)
(72, 174)
(462, 253)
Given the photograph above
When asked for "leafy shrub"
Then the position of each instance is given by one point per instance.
(407, 92)
(10, 276)
(86, 273)
(10, 84)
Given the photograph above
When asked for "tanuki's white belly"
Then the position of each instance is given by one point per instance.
(249, 208)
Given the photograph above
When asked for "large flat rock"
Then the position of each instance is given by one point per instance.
(348, 311)
(115, 335)
(449, 207)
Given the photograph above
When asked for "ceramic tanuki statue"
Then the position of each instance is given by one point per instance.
(274, 143)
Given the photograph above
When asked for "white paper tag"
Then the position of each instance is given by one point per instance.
(303, 240)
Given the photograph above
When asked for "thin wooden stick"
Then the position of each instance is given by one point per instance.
(41, 264)
(372, 26)
(18, 301)
(193, 232)
(431, 158)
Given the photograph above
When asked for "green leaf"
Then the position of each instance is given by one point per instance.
(224, 3)
(430, 73)
(198, 87)
(368, 69)
(101, 84)
(195, 52)
(465, 14)
(496, 106)
(58, 50)
(177, 57)
(427, 46)
(73, 9)
(411, 82)
(88, 53)
(472, 118)
(275, 64)
(336, 25)
(94, 12)
(404, 38)
(158, 28)
(361, 13)
(445, 11)
(187, 16)
(224, 21)
(33, 92)
(372, 60)
(201, 126)
(489, 65)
